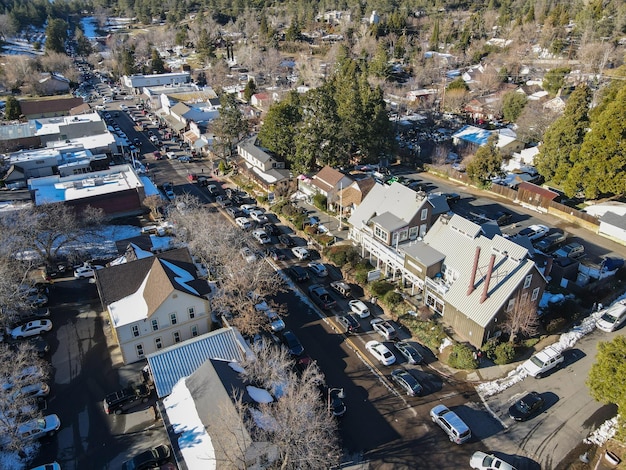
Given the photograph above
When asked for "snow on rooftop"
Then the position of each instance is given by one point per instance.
(57, 188)
(131, 308)
(259, 395)
(194, 442)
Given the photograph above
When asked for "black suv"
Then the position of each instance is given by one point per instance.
(299, 274)
(118, 402)
(152, 458)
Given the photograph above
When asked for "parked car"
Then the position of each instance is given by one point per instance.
(300, 252)
(36, 390)
(157, 155)
(86, 271)
(292, 343)
(612, 318)
(543, 361)
(298, 273)
(407, 382)
(336, 404)
(39, 313)
(349, 322)
(571, 250)
(40, 345)
(457, 431)
(261, 237)
(246, 254)
(32, 328)
(247, 208)
(551, 242)
(502, 217)
(534, 232)
(452, 198)
(483, 461)
(320, 296)
(39, 428)
(152, 458)
(122, 400)
(287, 241)
(48, 466)
(275, 253)
(384, 328)
(359, 307)
(342, 288)
(276, 323)
(184, 159)
(271, 230)
(409, 352)
(526, 407)
(318, 269)
(258, 217)
(380, 352)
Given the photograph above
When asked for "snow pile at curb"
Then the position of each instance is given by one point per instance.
(566, 341)
(605, 432)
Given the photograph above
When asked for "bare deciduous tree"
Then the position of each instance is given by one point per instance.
(48, 228)
(298, 422)
(522, 317)
(217, 243)
(19, 367)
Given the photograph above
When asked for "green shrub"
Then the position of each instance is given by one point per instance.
(353, 256)
(429, 333)
(320, 201)
(489, 349)
(392, 298)
(462, 357)
(262, 199)
(530, 342)
(380, 288)
(361, 276)
(338, 255)
(505, 352)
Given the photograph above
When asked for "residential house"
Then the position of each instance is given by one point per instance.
(53, 84)
(471, 280)
(261, 165)
(261, 101)
(205, 426)
(154, 302)
(613, 226)
(349, 198)
(33, 109)
(327, 182)
(469, 138)
(389, 216)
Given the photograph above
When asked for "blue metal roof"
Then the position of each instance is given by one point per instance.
(171, 364)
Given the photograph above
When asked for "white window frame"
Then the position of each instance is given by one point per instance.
(135, 331)
(155, 324)
(535, 294)
(176, 336)
(158, 343)
(194, 331)
(192, 312)
(173, 318)
(424, 214)
(139, 350)
(528, 281)
(511, 305)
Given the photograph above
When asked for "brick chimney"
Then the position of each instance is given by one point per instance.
(471, 286)
(488, 279)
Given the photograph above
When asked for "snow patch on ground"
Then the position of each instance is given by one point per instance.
(566, 341)
(605, 432)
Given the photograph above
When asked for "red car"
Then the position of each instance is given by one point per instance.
(157, 155)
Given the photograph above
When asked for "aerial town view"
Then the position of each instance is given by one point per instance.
(312, 235)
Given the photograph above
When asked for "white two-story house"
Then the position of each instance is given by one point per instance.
(154, 302)
(261, 165)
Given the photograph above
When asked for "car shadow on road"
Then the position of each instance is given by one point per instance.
(518, 461)
(480, 421)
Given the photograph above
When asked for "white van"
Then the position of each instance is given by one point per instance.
(612, 318)
(543, 361)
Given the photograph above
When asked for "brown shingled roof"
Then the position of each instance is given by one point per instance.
(327, 178)
(59, 105)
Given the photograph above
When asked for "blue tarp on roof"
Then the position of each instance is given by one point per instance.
(473, 134)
